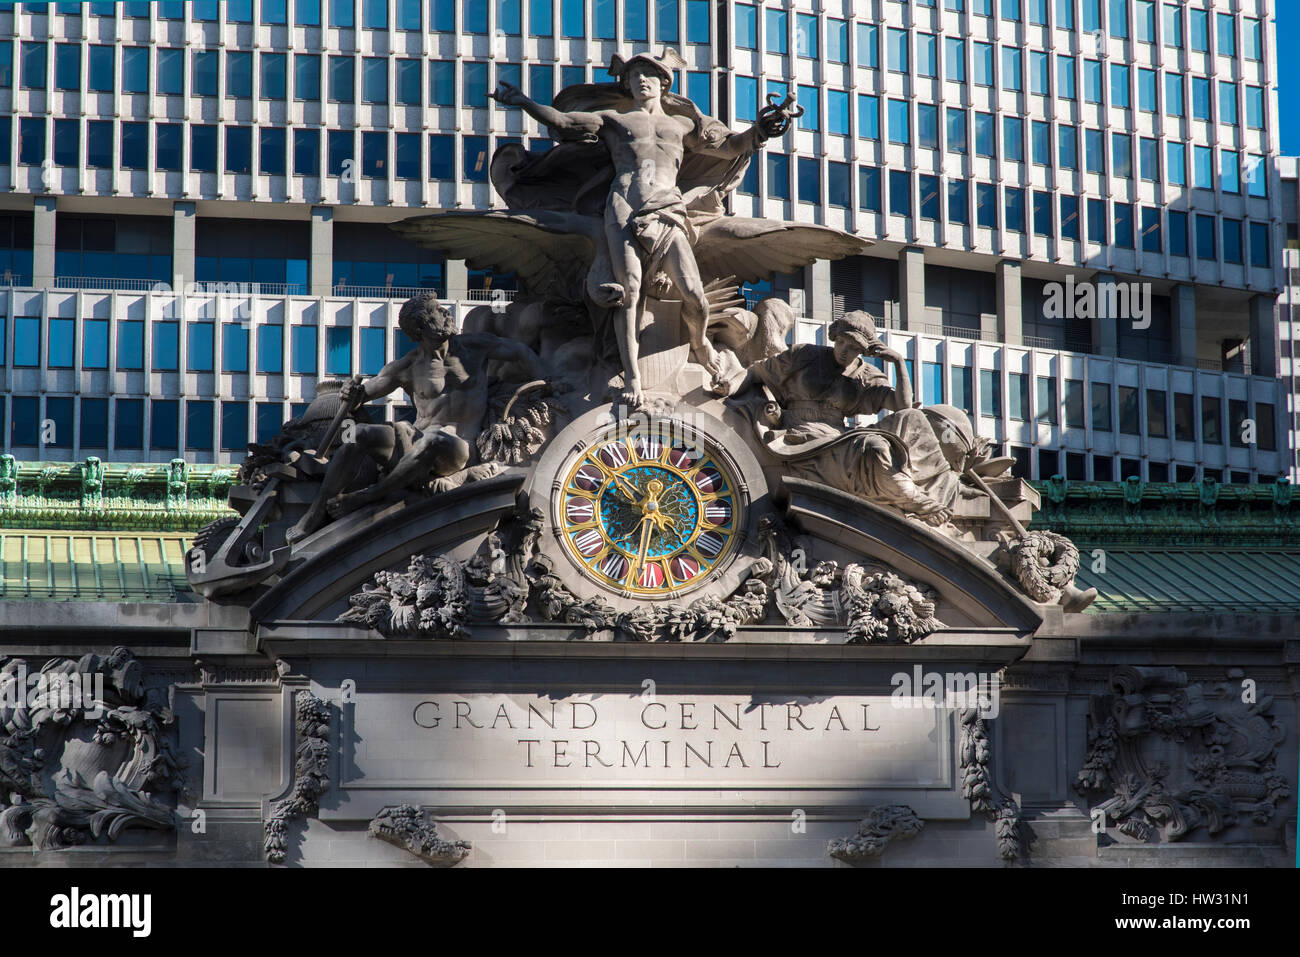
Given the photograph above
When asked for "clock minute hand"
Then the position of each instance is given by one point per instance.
(641, 551)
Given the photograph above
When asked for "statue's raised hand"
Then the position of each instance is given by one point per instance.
(507, 94)
(353, 392)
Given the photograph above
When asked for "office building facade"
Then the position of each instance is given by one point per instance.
(1004, 155)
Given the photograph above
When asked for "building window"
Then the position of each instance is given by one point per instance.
(374, 155)
(270, 419)
(1129, 423)
(239, 74)
(306, 152)
(239, 149)
(809, 180)
(1184, 417)
(198, 424)
(1047, 413)
(270, 348)
(234, 426)
(1101, 407)
(67, 143)
(234, 347)
(94, 423)
(869, 189)
(1211, 420)
(271, 150)
(130, 345)
(1018, 396)
(900, 193)
(164, 424)
(199, 345)
(338, 350)
(203, 149)
(302, 343)
(306, 77)
(341, 80)
(958, 202)
(94, 344)
(166, 346)
(339, 146)
(374, 80)
(274, 68)
(170, 72)
(1157, 416)
(990, 393)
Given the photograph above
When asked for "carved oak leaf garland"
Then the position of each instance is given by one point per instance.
(882, 826)
(310, 774)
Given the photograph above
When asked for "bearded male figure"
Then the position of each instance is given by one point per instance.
(447, 378)
(649, 133)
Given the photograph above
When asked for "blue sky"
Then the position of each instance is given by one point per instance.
(1288, 74)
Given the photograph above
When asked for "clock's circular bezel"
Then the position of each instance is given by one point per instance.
(672, 435)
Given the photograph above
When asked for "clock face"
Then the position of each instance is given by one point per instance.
(649, 515)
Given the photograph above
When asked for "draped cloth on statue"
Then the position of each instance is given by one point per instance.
(896, 462)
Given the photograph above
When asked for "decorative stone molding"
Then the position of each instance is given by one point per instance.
(84, 753)
(404, 826)
(438, 597)
(1170, 756)
(1145, 514)
(441, 597)
(881, 827)
(876, 604)
(978, 786)
(310, 772)
(97, 496)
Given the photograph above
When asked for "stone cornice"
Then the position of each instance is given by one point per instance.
(96, 496)
(1168, 514)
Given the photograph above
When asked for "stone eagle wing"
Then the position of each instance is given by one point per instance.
(752, 250)
(548, 251)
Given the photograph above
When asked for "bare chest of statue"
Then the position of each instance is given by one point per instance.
(638, 135)
(440, 375)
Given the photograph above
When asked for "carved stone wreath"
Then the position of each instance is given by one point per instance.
(84, 753)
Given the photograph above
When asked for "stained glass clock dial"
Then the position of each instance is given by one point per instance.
(648, 515)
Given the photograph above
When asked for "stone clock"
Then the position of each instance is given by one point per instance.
(652, 512)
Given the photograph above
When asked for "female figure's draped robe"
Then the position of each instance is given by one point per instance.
(897, 462)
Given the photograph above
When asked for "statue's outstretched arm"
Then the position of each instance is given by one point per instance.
(507, 94)
(385, 381)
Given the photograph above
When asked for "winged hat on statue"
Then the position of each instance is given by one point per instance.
(618, 236)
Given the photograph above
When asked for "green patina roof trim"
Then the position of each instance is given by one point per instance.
(93, 495)
(1201, 515)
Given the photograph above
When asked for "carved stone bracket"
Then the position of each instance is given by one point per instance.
(84, 754)
(404, 826)
(310, 772)
(981, 790)
(1170, 757)
(881, 827)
